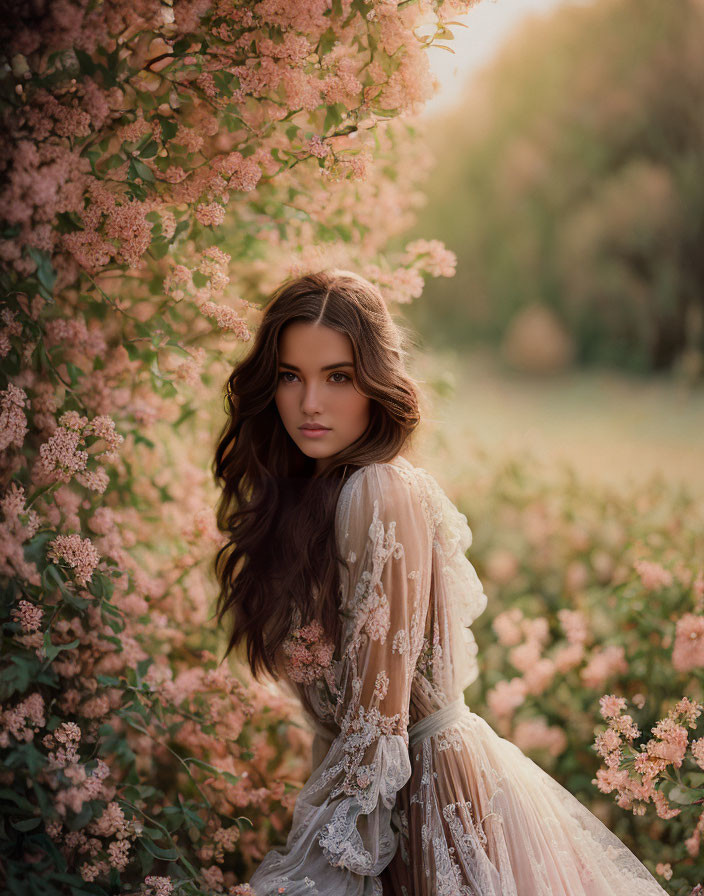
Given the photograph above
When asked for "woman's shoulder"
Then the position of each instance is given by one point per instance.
(399, 469)
(387, 482)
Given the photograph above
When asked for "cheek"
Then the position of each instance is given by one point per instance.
(359, 410)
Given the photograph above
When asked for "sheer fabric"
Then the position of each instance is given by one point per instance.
(411, 793)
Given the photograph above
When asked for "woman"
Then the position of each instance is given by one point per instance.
(345, 575)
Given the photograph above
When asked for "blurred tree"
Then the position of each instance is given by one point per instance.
(570, 177)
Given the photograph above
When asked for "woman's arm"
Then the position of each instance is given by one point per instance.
(341, 837)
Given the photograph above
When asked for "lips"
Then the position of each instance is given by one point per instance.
(308, 427)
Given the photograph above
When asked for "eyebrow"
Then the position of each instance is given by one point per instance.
(327, 366)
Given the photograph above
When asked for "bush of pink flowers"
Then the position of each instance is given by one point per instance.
(164, 167)
(596, 601)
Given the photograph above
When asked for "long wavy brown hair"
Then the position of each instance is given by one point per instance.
(280, 561)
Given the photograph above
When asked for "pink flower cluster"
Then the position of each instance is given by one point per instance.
(157, 886)
(688, 650)
(536, 734)
(604, 664)
(309, 653)
(22, 721)
(79, 554)
(668, 747)
(63, 456)
(431, 256)
(17, 527)
(653, 575)
(13, 423)
(227, 319)
(28, 616)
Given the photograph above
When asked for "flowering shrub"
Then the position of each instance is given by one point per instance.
(160, 163)
(594, 590)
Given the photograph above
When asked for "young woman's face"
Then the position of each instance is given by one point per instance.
(316, 387)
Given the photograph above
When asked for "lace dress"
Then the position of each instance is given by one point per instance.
(411, 793)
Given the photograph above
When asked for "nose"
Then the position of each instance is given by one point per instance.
(311, 402)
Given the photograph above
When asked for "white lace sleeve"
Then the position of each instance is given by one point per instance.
(342, 836)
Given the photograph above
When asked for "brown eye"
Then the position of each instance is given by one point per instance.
(344, 376)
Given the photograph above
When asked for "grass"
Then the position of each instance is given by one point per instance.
(608, 426)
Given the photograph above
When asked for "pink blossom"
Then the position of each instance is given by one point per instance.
(688, 651)
(67, 733)
(243, 174)
(502, 567)
(539, 676)
(608, 742)
(536, 734)
(19, 521)
(213, 877)
(690, 709)
(128, 224)
(653, 575)
(77, 553)
(574, 624)
(506, 696)
(96, 707)
(60, 457)
(611, 706)
(664, 870)
(566, 658)
(603, 665)
(210, 214)
(96, 480)
(89, 249)
(111, 823)
(213, 261)
(625, 726)
(28, 616)
(23, 720)
(158, 886)
(227, 319)
(662, 807)
(525, 655)
(118, 854)
(673, 742)
(13, 423)
(174, 174)
(432, 256)
(103, 427)
(507, 626)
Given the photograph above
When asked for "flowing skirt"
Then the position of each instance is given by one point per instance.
(480, 818)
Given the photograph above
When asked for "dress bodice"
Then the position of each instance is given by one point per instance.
(408, 594)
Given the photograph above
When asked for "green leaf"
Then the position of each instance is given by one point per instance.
(157, 851)
(679, 795)
(159, 247)
(168, 128)
(20, 801)
(27, 824)
(233, 779)
(137, 169)
(17, 677)
(333, 117)
(87, 66)
(149, 151)
(45, 272)
(327, 42)
(53, 650)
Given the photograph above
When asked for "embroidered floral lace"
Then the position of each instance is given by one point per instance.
(400, 803)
